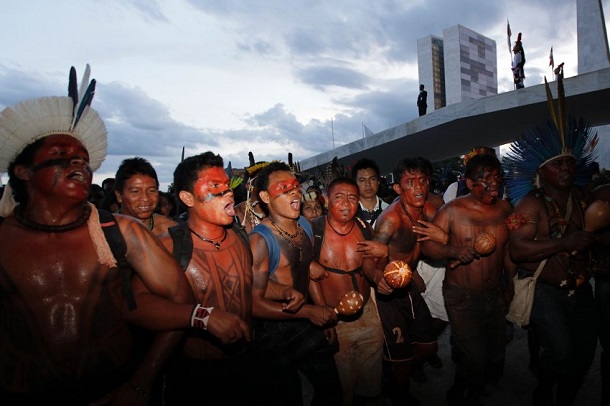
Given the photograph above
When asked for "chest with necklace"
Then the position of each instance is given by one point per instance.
(414, 222)
(289, 238)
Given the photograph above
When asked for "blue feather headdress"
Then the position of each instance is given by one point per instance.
(561, 136)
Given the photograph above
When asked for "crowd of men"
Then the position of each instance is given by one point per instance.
(122, 294)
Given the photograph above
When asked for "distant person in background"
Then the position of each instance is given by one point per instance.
(422, 100)
(96, 195)
(312, 205)
(518, 63)
(366, 174)
(166, 205)
(137, 191)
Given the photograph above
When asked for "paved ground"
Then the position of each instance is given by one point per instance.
(514, 389)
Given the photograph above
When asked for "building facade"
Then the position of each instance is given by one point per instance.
(458, 67)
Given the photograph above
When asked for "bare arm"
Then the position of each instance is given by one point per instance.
(526, 245)
(372, 267)
(264, 307)
(434, 248)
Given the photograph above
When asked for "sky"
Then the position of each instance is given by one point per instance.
(266, 76)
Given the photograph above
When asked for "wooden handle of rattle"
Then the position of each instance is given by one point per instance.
(484, 244)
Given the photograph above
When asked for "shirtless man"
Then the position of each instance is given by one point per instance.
(472, 290)
(63, 336)
(220, 275)
(563, 313)
(601, 273)
(288, 340)
(360, 337)
(137, 191)
(406, 320)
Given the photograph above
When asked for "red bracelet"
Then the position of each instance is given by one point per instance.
(201, 316)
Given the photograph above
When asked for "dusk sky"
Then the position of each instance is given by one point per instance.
(267, 76)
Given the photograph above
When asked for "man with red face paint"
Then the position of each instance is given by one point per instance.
(473, 291)
(341, 251)
(287, 340)
(220, 275)
(406, 320)
(63, 336)
(563, 312)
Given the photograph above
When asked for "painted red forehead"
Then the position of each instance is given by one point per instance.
(282, 186)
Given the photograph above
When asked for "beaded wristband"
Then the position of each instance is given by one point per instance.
(201, 316)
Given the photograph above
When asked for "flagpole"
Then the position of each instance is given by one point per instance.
(510, 52)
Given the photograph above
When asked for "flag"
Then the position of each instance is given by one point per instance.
(367, 131)
(508, 34)
(551, 60)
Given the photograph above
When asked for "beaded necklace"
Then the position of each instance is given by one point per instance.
(289, 237)
(151, 222)
(404, 209)
(341, 234)
(18, 212)
(216, 244)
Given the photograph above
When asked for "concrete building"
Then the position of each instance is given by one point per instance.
(431, 69)
(460, 66)
(593, 55)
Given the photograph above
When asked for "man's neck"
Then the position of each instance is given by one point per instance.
(288, 224)
(339, 225)
(369, 203)
(205, 228)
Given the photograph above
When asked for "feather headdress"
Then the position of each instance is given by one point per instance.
(31, 120)
(562, 135)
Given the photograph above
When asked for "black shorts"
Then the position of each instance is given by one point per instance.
(406, 320)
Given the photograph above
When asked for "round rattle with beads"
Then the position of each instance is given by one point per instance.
(484, 244)
(350, 303)
(397, 274)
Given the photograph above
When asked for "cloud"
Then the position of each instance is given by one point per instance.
(269, 76)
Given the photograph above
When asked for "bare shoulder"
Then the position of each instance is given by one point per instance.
(529, 202)
(135, 233)
(165, 221)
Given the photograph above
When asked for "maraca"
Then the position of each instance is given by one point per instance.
(484, 244)
(350, 303)
(397, 274)
(597, 216)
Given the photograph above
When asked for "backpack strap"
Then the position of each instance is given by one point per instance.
(119, 251)
(183, 244)
(306, 224)
(319, 224)
(272, 245)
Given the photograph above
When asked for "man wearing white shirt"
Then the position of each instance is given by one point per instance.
(366, 174)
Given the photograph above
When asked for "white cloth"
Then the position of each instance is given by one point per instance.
(450, 192)
(433, 274)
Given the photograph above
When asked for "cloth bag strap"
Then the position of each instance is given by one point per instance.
(563, 229)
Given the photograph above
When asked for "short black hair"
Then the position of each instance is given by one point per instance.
(131, 167)
(481, 161)
(262, 179)
(412, 165)
(187, 171)
(342, 180)
(364, 163)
